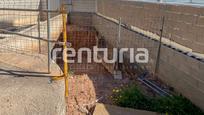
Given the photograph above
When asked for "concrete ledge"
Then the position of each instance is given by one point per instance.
(102, 109)
(25, 87)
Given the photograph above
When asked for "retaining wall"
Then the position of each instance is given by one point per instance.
(183, 24)
(176, 69)
(83, 5)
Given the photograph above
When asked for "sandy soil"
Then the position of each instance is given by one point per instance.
(85, 89)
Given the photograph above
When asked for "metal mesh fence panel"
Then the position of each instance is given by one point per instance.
(30, 27)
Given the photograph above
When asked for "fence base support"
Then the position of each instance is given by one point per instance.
(117, 75)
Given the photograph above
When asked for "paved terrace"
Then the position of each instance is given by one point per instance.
(25, 87)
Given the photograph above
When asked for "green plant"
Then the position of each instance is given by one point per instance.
(132, 97)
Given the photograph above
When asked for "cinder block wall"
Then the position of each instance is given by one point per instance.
(183, 24)
(18, 18)
(184, 73)
(176, 69)
(81, 18)
(54, 5)
(83, 5)
(129, 39)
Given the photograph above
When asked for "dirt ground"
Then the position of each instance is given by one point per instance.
(88, 82)
(87, 88)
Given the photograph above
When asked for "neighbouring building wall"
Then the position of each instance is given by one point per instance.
(184, 73)
(81, 18)
(183, 24)
(83, 5)
(18, 18)
(54, 5)
(176, 69)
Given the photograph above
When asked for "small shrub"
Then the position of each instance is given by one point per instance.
(132, 97)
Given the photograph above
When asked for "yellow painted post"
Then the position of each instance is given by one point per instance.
(64, 15)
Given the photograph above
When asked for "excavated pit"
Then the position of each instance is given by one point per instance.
(88, 82)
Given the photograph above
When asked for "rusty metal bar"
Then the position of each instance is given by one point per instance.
(159, 49)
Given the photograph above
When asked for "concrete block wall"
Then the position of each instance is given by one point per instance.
(183, 24)
(109, 32)
(184, 73)
(176, 69)
(129, 39)
(18, 18)
(83, 5)
(80, 19)
(54, 5)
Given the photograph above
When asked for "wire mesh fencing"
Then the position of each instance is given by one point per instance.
(21, 28)
(30, 27)
(130, 39)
